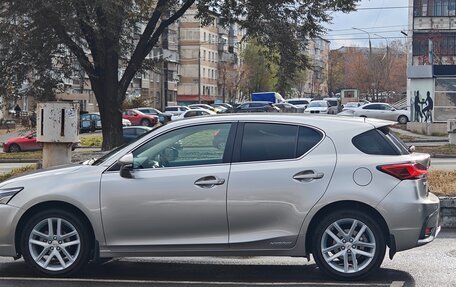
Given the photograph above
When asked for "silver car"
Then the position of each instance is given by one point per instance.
(379, 111)
(341, 189)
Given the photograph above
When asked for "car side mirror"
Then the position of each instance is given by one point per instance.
(412, 148)
(393, 109)
(126, 165)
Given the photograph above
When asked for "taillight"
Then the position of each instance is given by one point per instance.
(404, 171)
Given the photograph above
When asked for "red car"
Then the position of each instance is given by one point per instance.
(139, 119)
(25, 143)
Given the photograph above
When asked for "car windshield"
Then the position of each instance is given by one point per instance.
(318, 104)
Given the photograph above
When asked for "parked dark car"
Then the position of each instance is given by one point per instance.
(252, 107)
(133, 132)
(288, 108)
(89, 122)
(162, 117)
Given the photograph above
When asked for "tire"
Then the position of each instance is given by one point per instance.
(14, 148)
(369, 253)
(145, 122)
(63, 253)
(402, 119)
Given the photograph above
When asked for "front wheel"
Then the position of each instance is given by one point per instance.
(348, 245)
(14, 148)
(55, 243)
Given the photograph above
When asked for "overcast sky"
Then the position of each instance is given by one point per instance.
(385, 22)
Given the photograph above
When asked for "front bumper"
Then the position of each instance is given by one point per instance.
(8, 215)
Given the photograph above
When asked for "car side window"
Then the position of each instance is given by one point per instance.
(262, 142)
(307, 139)
(189, 146)
(129, 132)
(375, 143)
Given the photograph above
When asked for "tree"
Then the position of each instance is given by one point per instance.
(43, 38)
(336, 81)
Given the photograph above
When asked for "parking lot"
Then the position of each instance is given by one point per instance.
(431, 265)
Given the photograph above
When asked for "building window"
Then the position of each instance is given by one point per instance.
(204, 39)
(204, 54)
(444, 44)
(432, 8)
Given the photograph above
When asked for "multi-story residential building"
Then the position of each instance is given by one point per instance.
(431, 71)
(209, 61)
(317, 76)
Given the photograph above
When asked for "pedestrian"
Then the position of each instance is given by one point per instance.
(17, 110)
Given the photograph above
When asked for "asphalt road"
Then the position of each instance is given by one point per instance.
(443, 163)
(430, 265)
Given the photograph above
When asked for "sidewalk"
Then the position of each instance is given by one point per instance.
(420, 137)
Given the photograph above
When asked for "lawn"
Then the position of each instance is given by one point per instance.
(442, 183)
(448, 149)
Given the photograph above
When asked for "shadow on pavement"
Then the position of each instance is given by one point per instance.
(174, 273)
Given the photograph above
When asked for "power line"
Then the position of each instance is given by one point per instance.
(381, 8)
(368, 28)
(372, 38)
(356, 33)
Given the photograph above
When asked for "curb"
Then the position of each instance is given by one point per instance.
(12, 160)
(438, 155)
(448, 212)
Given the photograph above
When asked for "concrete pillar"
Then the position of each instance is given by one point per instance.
(56, 154)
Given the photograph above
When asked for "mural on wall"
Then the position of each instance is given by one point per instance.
(422, 107)
(421, 101)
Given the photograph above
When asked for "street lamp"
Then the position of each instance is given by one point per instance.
(386, 55)
(368, 34)
(370, 53)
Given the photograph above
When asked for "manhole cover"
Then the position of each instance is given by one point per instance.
(452, 253)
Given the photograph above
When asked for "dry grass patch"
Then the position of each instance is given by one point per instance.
(442, 182)
(17, 172)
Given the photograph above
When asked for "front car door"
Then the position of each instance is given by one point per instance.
(279, 172)
(177, 195)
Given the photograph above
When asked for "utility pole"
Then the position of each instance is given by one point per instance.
(165, 46)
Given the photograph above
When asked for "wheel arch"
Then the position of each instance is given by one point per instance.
(340, 205)
(61, 205)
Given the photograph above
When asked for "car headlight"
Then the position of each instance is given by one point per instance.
(7, 193)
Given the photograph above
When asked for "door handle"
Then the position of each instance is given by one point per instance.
(209, 181)
(308, 175)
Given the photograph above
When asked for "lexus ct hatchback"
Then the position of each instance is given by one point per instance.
(341, 189)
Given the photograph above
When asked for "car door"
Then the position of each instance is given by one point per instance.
(388, 113)
(177, 195)
(278, 174)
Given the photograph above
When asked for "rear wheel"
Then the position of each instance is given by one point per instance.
(145, 122)
(14, 148)
(402, 119)
(55, 243)
(348, 245)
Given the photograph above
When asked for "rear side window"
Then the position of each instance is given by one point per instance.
(263, 142)
(376, 142)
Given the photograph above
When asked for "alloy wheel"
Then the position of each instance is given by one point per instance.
(54, 244)
(348, 245)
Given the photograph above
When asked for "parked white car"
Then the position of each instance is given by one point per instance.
(193, 113)
(317, 107)
(176, 110)
(379, 111)
(299, 102)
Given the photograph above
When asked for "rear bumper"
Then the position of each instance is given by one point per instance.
(412, 219)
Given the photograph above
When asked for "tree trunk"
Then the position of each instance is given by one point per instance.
(109, 97)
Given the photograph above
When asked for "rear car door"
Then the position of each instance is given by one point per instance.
(278, 174)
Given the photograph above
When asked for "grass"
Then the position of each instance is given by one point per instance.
(94, 140)
(442, 183)
(22, 155)
(17, 171)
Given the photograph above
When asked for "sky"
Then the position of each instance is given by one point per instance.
(375, 17)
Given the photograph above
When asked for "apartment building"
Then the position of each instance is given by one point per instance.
(317, 76)
(431, 64)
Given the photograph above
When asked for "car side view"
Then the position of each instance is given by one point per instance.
(339, 189)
